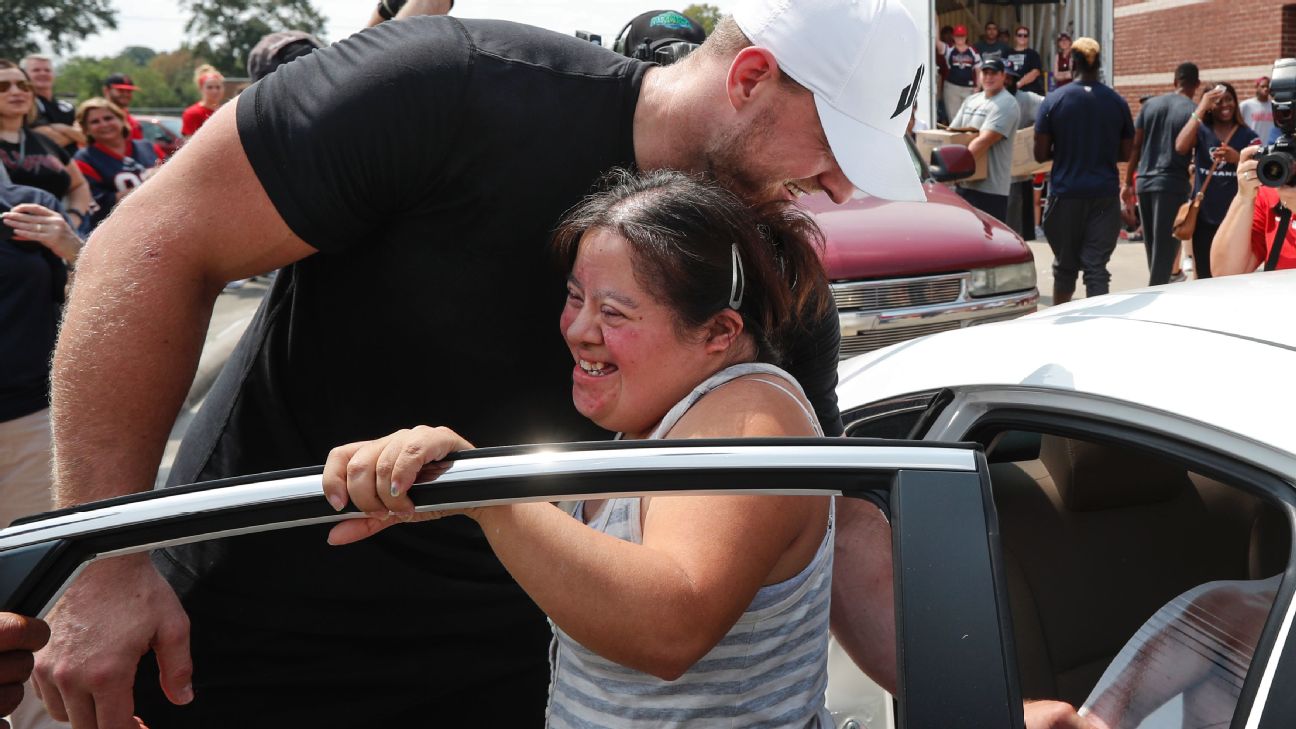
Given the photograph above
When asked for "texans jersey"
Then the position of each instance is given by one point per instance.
(110, 173)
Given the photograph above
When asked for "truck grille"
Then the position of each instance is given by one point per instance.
(882, 295)
(871, 340)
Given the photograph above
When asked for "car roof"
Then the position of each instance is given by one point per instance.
(1219, 351)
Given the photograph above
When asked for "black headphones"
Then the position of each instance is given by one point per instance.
(647, 51)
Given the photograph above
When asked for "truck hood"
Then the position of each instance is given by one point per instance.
(868, 237)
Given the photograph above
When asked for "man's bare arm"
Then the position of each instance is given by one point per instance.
(863, 592)
(127, 352)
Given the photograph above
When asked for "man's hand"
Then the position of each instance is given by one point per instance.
(19, 638)
(1056, 715)
(1127, 197)
(114, 613)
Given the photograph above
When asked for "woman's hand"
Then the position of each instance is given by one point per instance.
(376, 476)
(39, 224)
(1248, 183)
(1209, 100)
(1225, 155)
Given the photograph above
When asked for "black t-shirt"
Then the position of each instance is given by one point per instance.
(1025, 61)
(36, 161)
(430, 187)
(31, 297)
(55, 111)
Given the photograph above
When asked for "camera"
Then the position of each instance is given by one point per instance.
(594, 38)
(672, 52)
(1276, 163)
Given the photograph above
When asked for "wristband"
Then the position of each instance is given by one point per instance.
(1194, 115)
(79, 213)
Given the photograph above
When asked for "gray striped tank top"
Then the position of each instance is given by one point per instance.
(769, 670)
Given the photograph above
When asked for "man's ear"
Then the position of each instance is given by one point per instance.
(723, 331)
(753, 73)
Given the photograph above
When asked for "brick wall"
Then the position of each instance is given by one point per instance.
(1229, 40)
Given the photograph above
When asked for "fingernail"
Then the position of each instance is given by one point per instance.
(395, 489)
(186, 694)
(337, 502)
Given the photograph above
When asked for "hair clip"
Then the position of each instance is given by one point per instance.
(739, 285)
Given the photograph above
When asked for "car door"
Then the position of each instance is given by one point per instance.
(955, 658)
(1120, 526)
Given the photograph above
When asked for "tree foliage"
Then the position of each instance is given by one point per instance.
(60, 23)
(705, 15)
(224, 31)
(165, 79)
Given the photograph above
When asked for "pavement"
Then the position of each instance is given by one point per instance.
(235, 308)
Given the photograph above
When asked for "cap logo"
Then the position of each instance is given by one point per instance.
(672, 20)
(909, 94)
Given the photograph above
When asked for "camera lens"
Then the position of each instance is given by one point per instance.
(1275, 168)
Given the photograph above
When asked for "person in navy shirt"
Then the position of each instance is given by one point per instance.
(113, 163)
(962, 61)
(1025, 62)
(1086, 129)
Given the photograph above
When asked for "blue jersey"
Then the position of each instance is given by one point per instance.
(109, 173)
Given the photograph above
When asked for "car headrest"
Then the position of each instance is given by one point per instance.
(1093, 477)
(1012, 446)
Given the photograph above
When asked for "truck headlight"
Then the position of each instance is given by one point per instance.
(1002, 279)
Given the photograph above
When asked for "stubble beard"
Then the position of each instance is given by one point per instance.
(729, 160)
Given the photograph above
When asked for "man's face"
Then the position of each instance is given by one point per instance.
(42, 75)
(778, 151)
(1262, 89)
(120, 97)
(992, 81)
(992, 32)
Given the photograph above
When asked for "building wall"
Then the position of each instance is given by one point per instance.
(1229, 40)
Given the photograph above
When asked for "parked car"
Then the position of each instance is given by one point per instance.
(1139, 446)
(164, 131)
(900, 270)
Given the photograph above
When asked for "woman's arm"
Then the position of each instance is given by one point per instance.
(1231, 248)
(1187, 138)
(702, 560)
(78, 195)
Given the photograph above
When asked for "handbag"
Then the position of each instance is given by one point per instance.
(1185, 221)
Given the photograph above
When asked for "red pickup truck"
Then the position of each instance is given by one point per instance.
(900, 270)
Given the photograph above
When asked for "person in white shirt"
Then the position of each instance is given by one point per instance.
(1257, 111)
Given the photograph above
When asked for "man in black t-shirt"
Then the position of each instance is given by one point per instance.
(408, 179)
(55, 118)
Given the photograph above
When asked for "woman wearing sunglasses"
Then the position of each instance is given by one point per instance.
(31, 159)
(692, 611)
(1026, 62)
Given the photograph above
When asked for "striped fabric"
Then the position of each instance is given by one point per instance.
(770, 670)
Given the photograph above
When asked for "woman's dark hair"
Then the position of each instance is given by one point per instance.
(1209, 117)
(683, 230)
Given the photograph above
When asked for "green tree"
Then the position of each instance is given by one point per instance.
(705, 15)
(224, 31)
(61, 23)
(140, 55)
(83, 78)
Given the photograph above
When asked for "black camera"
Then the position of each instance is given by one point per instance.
(594, 38)
(1276, 163)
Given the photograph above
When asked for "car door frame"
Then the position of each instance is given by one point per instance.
(957, 665)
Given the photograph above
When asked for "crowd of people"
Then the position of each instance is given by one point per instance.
(1183, 155)
(690, 302)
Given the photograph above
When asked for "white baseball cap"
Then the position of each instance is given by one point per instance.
(865, 61)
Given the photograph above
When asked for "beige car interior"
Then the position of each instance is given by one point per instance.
(1096, 538)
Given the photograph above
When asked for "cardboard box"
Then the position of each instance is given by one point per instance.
(1023, 161)
(930, 139)
(1023, 145)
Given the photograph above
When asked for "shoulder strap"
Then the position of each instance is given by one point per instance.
(1284, 222)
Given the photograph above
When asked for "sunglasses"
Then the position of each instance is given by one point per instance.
(1023, 35)
(22, 86)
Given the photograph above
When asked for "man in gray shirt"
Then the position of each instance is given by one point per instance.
(1163, 184)
(993, 112)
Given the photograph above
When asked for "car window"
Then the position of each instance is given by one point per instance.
(1139, 586)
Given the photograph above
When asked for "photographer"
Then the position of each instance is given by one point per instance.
(1246, 235)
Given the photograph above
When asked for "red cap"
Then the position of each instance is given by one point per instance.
(960, 30)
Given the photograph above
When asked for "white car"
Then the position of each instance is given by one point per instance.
(1140, 445)
(1066, 476)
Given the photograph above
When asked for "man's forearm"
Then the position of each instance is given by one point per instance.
(126, 355)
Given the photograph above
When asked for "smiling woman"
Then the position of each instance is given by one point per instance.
(679, 300)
